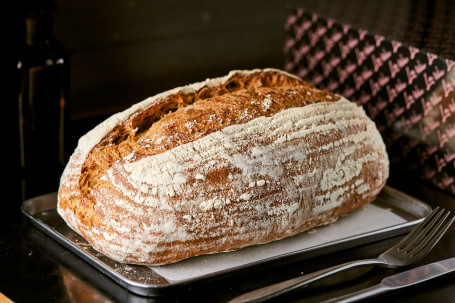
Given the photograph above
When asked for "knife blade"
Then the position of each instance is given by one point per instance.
(401, 280)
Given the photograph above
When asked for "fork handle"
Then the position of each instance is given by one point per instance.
(278, 289)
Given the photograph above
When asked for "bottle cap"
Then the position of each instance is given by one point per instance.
(38, 20)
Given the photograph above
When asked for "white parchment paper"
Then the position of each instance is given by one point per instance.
(367, 219)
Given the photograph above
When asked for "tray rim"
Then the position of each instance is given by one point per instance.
(30, 208)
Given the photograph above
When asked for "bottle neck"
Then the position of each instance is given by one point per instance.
(38, 29)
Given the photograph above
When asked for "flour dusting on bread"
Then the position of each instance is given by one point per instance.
(241, 160)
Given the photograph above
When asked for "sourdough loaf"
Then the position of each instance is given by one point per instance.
(230, 162)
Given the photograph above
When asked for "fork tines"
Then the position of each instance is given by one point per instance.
(425, 236)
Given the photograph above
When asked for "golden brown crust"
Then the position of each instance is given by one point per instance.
(102, 187)
(226, 102)
(207, 110)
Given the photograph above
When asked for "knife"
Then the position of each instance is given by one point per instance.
(401, 280)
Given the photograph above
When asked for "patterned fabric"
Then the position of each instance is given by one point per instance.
(409, 93)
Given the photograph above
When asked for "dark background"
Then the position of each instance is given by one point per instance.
(122, 52)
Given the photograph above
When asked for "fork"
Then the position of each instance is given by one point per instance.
(410, 249)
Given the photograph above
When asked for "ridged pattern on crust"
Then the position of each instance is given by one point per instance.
(244, 184)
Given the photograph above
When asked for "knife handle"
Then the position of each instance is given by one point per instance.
(360, 295)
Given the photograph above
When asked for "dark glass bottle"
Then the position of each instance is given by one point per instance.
(43, 91)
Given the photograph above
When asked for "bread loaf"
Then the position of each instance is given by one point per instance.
(230, 162)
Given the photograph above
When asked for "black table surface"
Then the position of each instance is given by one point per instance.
(35, 268)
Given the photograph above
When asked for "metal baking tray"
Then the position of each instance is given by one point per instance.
(146, 281)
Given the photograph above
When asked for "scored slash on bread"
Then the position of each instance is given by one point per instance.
(230, 162)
